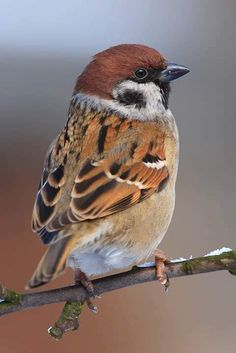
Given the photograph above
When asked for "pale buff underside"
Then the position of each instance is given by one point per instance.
(123, 239)
(129, 237)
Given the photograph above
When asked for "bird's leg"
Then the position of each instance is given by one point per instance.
(81, 278)
(160, 260)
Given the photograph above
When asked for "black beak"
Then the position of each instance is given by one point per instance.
(172, 72)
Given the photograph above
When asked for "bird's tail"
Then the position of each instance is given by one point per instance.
(52, 264)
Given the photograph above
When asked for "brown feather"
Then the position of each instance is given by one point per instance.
(110, 176)
(52, 263)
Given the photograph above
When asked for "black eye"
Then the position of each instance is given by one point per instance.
(141, 73)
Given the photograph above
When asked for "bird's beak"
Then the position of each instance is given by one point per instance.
(172, 72)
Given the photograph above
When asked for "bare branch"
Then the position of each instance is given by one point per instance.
(15, 302)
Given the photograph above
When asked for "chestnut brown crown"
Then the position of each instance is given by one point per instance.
(114, 65)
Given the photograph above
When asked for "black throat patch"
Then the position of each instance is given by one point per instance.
(165, 92)
(129, 97)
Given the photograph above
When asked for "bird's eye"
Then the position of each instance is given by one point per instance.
(141, 73)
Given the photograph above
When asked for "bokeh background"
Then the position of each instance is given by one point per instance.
(44, 45)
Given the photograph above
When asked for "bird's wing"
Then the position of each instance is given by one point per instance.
(49, 193)
(122, 162)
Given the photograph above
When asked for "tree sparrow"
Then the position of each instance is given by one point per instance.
(107, 192)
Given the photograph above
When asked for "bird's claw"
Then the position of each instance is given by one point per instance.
(81, 278)
(160, 260)
(91, 306)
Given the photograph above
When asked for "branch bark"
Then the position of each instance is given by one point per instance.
(13, 302)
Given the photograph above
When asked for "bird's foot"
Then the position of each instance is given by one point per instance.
(161, 259)
(81, 278)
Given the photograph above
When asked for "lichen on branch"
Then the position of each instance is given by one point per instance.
(8, 297)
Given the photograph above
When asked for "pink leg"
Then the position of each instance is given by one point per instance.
(161, 259)
(81, 278)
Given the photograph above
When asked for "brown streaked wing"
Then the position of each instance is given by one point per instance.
(127, 169)
(100, 193)
(47, 198)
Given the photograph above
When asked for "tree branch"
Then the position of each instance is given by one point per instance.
(13, 302)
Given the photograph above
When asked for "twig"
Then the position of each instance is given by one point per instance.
(68, 320)
(224, 261)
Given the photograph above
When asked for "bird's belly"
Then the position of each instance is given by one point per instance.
(120, 242)
(97, 262)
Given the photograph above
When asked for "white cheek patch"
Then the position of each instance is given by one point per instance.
(152, 97)
(153, 109)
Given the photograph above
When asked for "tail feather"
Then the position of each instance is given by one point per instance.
(52, 264)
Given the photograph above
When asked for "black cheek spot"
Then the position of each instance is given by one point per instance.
(129, 97)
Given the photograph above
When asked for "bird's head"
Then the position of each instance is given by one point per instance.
(129, 75)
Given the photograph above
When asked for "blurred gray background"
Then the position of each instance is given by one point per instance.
(43, 47)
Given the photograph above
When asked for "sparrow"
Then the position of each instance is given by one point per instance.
(107, 192)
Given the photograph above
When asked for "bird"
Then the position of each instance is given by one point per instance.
(107, 191)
